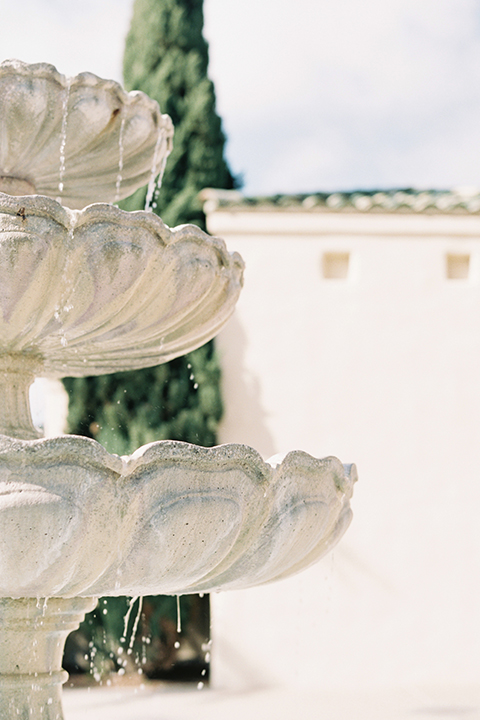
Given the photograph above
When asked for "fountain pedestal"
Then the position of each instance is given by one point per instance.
(32, 638)
(17, 373)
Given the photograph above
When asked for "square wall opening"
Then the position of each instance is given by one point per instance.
(457, 266)
(335, 265)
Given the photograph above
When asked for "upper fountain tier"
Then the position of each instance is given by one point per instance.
(79, 140)
(93, 291)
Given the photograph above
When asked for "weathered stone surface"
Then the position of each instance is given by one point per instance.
(32, 637)
(81, 139)
(91, 292)
(94, 291)
(179, 518)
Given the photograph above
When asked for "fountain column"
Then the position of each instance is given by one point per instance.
(32, 637)
(17, 373)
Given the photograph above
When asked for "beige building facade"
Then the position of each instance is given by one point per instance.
(357, 334)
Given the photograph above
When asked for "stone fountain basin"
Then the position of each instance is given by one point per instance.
(172, 518)
(100, 142)
(99, 290)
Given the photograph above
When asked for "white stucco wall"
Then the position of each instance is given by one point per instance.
(381, 369)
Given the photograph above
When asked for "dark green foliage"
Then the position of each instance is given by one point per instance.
(151, 644)
(166, 57)
(177, 401)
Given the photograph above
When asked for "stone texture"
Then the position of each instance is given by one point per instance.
(181, 518)
(32, 636)
(81, 139)
(91, 292)
(99, 290)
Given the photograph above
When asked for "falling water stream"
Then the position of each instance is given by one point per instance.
(126, 621)
(63, 138)
(120, 161)
(179, 616)
(157, 172)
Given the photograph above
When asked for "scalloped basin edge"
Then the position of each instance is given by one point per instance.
(180, 518)
(101, 290)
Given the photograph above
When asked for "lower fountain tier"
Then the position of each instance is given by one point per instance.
(173, 518)
(32, 637)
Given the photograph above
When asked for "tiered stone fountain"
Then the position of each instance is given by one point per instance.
(96, 290)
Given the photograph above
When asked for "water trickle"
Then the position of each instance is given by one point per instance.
(179, 616)
(126, 621)
(63, 138)
(120, 161)
(157, 171)
(135, 625)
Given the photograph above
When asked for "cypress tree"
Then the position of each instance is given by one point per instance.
(166, 56)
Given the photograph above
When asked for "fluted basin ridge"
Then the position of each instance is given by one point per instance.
(82, 139)
(180, 518)
(98, 290)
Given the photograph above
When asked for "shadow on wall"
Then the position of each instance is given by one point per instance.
(244, 420)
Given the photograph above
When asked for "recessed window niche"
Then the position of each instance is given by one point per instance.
(335, 265)
(457, 266)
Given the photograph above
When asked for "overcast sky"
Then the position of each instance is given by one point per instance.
(315, 95)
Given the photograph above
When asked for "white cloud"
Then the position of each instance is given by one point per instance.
(313, 93)
(73, 35)
(378, 91)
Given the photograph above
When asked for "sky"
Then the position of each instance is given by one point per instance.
(315, 95)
